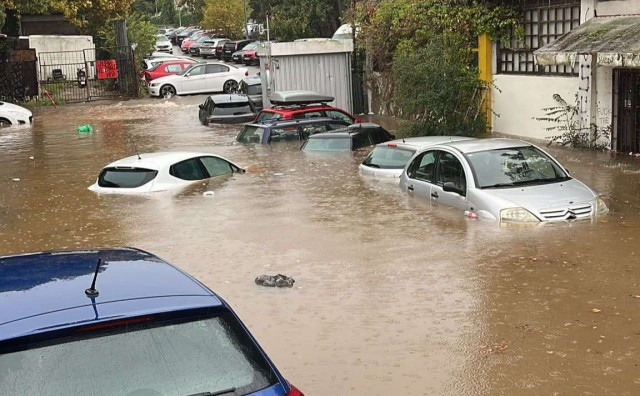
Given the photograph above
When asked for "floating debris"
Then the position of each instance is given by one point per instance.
(275, 280)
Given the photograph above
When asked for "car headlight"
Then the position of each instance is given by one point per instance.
(601, 206)
(154, 84)
(517, 215)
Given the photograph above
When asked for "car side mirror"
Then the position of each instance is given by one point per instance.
(187, 75)
(450, 187)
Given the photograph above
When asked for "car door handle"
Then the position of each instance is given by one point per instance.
(410, 188)
(434, 194)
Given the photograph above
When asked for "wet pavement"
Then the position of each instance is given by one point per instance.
(393, 295)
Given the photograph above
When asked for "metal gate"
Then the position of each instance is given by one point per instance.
(19, 71)
(627, 85)
(360, 102)
(110, 73)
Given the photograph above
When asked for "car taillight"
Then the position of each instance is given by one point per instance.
(392, 145)
(294, 391)
(246, 74)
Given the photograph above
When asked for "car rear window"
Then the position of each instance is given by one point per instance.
(250, 134)
(268, 116)
(328, 144)
(250, 89)
(232, 109)
(178, 357)
(125, 177)
(384, 157)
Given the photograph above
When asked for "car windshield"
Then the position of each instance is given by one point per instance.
(514, 166)
(250, 46)
(210, 354)
(162, 39)
(250, 134)
(385, 157)
(125, 177)
(328, 144)
(232, 109)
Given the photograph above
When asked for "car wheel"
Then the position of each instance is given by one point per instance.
(167, 91)
(204, 57)
(230, 86)
(4, 123)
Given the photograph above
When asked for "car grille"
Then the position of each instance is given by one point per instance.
(567, 213)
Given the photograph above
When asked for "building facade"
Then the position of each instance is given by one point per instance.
(582, 50)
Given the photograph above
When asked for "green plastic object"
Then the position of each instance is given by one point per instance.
(85, 129)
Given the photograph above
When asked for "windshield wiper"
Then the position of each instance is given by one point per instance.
(222, 392)
(500, 185)
(372, 165)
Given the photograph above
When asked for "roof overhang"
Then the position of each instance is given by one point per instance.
(614, 41)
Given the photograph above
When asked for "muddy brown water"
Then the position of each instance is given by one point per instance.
(392, 296)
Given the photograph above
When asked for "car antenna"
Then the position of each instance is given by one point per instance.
(135, 148)
(91, 291)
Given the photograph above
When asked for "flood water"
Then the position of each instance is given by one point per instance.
(393, 296)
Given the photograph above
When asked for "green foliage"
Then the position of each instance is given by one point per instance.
(195, 8)
(167, 12)
(566, 122)
(226, 16)
(139, 32)
(436, 88)
(144, 7)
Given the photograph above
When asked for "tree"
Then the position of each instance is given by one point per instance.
(194, 7)
(92, 16)
(167, 12)
(294, 19)
(227, 16)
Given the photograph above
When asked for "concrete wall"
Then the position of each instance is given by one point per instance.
(62, 52)
(518, 99)
(615, 7)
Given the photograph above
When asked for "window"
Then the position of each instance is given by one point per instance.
(250, 134)
(178, 357)
(232, 108)
(214, 68)
(337, 115)
(196, 71)
(188, 170)
(309, 114)
(268, 116)
(361, 140)
(284, 133)
(423, 166)
(173, 69)
(450, 170)
(216, 166)
(379, 135)
(384, 157)
(544, 21)
(328, 144)
(125, 178)
(310, 129)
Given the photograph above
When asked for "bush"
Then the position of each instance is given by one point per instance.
(435, 86)
(566, 122)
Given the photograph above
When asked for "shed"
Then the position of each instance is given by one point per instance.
(319, 65)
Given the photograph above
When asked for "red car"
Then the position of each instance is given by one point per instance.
(186, 43)
(250, 57)
(288, 105)
(166, 69)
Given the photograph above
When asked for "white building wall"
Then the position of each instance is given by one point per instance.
(62, 52)
(518, 99)
(618, 7)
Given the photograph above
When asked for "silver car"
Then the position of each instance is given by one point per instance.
(387, 160)
(500, 179)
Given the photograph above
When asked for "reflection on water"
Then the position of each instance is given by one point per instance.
(393, 295)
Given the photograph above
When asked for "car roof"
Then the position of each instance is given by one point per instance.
(252, 80)
(415, 143)
(229, 98)
(345, 132)
(303, 121)
(45, 290)
(472, 146)
(155, 161)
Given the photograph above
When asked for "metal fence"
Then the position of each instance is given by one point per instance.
(108, 73)
(18, 71)
(360, 103)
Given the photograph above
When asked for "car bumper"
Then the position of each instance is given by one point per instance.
(168, 50)
(154, 91)
(233, 119)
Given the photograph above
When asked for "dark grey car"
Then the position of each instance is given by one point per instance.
(227, 109)
(289, 130)
(252, 87)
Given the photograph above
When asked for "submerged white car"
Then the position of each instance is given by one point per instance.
(199, 78)
(162, 171)
(501, 179)
(11, 114)
(387, 160)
